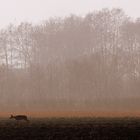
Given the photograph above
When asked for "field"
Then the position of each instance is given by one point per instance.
(71, 129)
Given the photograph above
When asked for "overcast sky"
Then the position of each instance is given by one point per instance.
(15, 11)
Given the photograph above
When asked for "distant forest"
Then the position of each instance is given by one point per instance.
(72, 63)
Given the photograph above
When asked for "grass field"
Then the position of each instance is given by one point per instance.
(71, 129)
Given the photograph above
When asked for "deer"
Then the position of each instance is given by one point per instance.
(19, 117)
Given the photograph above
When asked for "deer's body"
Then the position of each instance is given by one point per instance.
(19, 117)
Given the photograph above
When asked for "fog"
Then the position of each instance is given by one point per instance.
(88, 65)
(16, 11)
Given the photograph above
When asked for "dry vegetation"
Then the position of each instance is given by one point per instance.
(71, 129)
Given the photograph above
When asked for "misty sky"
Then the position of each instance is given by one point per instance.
(15, 11)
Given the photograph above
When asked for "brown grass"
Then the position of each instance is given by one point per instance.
(74, 114)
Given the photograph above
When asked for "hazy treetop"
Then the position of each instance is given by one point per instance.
(34, 11)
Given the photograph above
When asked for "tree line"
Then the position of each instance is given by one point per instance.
(75, 62)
